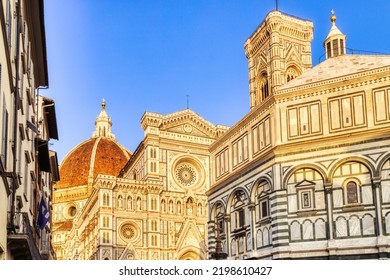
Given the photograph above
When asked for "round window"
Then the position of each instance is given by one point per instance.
(188, 173)
(128, 232)
(72, 211)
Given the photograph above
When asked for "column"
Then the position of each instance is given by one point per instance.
(376, 183)
(329, 210)
(252, 208)
(227, 231)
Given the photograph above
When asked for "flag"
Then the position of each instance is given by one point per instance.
(43, 214)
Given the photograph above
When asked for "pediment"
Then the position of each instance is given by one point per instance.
(187, 128)
(305, 183)
(189, 235)
(129, 253)
(187, 122)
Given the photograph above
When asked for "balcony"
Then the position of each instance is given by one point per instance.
(21, 242)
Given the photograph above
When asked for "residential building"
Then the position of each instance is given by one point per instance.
(27, 123)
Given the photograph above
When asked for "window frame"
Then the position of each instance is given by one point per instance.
(358, 192)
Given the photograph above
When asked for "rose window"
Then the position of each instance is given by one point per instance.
(186, 175)
(128, 232)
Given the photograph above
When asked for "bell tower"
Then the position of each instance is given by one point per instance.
(277, 52)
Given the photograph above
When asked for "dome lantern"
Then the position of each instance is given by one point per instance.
(103, 124)
(335, 42)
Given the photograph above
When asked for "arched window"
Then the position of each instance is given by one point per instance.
(106, 199)
(163, 206)
(240, 201)
(352, 192)
(262, 195)
(263, 87)
(291, 73)
(153, 153)
(153, 204)
(219, 219)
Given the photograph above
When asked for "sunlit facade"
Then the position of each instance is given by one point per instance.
(153, 206)
(305, 174)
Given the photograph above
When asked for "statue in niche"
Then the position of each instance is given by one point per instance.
(200, 209)
(163, 206)
(129, 203)
(170, 206)
(189, 209)
(120, 202)
(178, 208)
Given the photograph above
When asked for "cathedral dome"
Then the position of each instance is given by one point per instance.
(101, 154)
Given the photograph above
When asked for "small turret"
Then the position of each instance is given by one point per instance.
(335, 42)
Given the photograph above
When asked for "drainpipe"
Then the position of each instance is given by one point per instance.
(16, 109)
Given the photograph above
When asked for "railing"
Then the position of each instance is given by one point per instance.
(23, 228)
(353, 51)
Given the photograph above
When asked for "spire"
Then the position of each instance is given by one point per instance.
(335, 42)
(103, 124)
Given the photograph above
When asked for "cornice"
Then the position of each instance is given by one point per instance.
(335, 84)
(247, 121)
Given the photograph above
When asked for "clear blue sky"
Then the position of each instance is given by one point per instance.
(148, 55)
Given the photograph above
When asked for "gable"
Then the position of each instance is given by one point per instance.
(187, 122)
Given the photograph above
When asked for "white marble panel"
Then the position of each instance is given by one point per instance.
(387, 223)
(345, 169)
(320, 200)
(233, 247)
(241, 242)
(368, 225)
(224, 247)
(295, 231)
(367, 195)
(300, 177)
(292, 203)
(365, 179)
(355, 168)
(307, 230)
(248, 242)
(320, 230)
(337, 198)
(386, 192)
(266, 240)
(354, 226)
(341, 227)
(259, 239)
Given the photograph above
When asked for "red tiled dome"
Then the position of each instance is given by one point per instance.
(92, 157)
